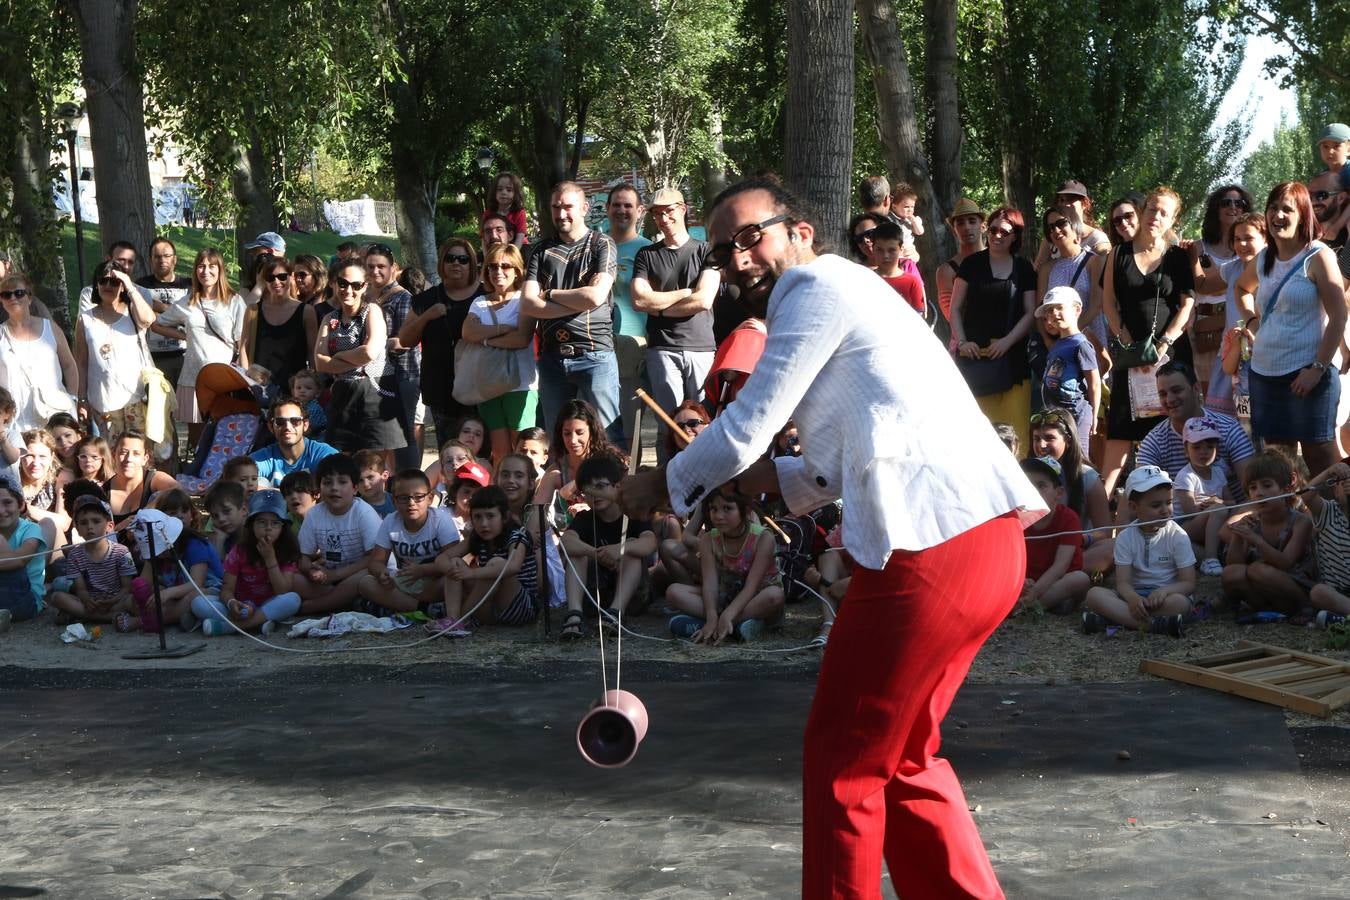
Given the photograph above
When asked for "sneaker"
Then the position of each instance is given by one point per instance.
(1172, 626)
(685, 626)
(215, 627)
(269, 627)
(125, 623)
(750, 629)
(1326, 618)
(1211, 567)
(1093, 623)
(187, 621)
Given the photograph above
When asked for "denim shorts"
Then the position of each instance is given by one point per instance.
(1280, 416)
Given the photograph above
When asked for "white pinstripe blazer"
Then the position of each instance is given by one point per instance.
(886, 420)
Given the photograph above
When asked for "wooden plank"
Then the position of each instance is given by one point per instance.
(1290, 680)
(1296, 654)
(1322, 686)
(1337, 699)
(1191, 674)
(1253, 665)
(1233, 656)
(1288, 668)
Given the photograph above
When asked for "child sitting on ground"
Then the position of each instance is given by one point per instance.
(227, 504)
(1202, 484)
(1071, 380)
(1331, 544)
(337, 535)
(22, 557)
(741, 591)
(468, 479)
(11, 441)
(415, 535)
(1270, 564)
(516, 476)
(593, 539)
(42, 485)
(440, 473)
(532, 443)
(374, 476)
(176, 590)
(242, 470)
(887, 242)
(102, 568)
(1155, 564)
(262, 578)
(1055, 576)
(301, 494)
(498, 548)
(305, 389)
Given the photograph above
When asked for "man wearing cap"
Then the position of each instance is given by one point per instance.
(1165, 447)
(625, 210)
(967, 223)
(568, 280)
(671, 285)
(1334, 145)
(268, 242)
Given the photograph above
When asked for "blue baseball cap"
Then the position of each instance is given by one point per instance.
(1336, 131)
(267, 502)
(269, 239)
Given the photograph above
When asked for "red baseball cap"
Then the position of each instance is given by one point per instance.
(475, 472)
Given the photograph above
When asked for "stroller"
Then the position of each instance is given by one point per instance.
(232, 403)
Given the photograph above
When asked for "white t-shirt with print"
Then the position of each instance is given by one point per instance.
(412, 548)
(1200, 488)
(1155, 559)
(339, 540)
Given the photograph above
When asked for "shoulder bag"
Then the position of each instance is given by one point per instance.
(1144, 351)
(483, 372)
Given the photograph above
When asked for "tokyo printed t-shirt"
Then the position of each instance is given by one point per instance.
(422, 546)
(339, 541)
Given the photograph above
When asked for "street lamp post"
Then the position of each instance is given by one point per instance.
(485, 159)
(70, 115)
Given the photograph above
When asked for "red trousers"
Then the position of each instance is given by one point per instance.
(899, 651)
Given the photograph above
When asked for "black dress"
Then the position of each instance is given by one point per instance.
(281, 349)
(993, 306)
(1138, 295)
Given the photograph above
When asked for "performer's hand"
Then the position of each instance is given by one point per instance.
(641, 493)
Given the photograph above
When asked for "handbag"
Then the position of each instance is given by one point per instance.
(1143, 352)
(482, 372)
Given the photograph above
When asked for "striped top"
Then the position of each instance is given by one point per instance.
(1292, 322)
(1331, 545)
(1164, 448)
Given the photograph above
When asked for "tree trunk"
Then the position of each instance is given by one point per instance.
(30, 170)
(896, 120)
(940, 87)
(714, 173)
(251, 184)
(112, 84)
(818, 135)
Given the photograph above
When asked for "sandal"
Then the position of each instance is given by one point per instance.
(573, 626)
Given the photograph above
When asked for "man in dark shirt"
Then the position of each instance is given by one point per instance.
(676, 292)
(1331, 205)
(567, 290)
(437, 323)
(165, 287)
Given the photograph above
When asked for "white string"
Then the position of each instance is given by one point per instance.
(462, 619)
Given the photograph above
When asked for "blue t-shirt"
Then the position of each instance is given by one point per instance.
(196, 550)
(626, 319)
(1070, 359)
(274, 467)
(36, 566)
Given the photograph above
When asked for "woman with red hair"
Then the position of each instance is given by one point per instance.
(1296, 289)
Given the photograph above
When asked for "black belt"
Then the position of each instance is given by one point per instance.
(1210, 309)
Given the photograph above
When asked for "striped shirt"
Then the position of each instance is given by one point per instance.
(103, 576)
(1163, 447)
(1331, 545)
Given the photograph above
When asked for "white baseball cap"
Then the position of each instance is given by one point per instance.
(1146, 478)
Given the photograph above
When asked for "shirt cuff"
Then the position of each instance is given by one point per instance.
(801, 493)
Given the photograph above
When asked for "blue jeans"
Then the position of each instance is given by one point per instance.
(593, 377)
(16, 594)
(282, 606)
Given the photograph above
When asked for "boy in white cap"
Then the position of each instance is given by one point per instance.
(1202, 484)
(1155, 564)
(1334, 145)
(1072, 380)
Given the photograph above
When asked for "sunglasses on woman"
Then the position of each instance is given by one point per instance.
(1057, 225)
(279, 276)
(690, 424)
(109, 281)
(17, 293)
(1233, 203)
(1047, 417)
(1123, 218)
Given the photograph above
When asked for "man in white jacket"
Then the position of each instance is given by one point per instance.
(934, 508)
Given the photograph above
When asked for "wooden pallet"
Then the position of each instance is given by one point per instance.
(1289, 678)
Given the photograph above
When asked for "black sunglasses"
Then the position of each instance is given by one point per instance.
(864, 236)
(282, 421)
(353, 285)
(744, 238)
(691, 423)
(109, 281)
(1123, 218)
(1233, 203)
(462, 258)
(1057, 225)
(1321, 196)
(279, 276)
(20, 293)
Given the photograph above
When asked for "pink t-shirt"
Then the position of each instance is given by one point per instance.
(251, 582)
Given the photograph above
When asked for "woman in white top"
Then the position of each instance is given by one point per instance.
(212, 319)
(496, 321)
(110, 352)
(1070, 268)
(36, 364)
(1295, 287)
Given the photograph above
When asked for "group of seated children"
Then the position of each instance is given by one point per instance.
(452, 545)
(1285, 556)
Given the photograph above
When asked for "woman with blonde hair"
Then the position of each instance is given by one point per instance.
(496, 321)
(36, 365)
(212, 320)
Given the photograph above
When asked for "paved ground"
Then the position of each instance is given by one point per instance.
(441, 782)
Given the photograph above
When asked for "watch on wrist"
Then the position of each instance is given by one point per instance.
(1318, 365)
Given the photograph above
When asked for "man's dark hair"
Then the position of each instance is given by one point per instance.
(1178, 367)
(222, 492)
(161, 240)
(601, 467)
(873, 191)
(624, 186)
(285, 400)
(784, 201)
(337, 464)
(122, 245)
(510, 229)
(347, 247)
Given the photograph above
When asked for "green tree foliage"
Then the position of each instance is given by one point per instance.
(1288, 154)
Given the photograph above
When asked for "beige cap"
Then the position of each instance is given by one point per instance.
(966, 207)
(667, 197)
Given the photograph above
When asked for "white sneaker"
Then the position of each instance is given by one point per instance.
(1211, 567)
(269, 627)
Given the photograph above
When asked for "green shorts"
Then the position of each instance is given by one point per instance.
(514, 411)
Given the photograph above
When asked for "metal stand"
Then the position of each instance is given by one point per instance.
(164, 651)
(544, 594)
